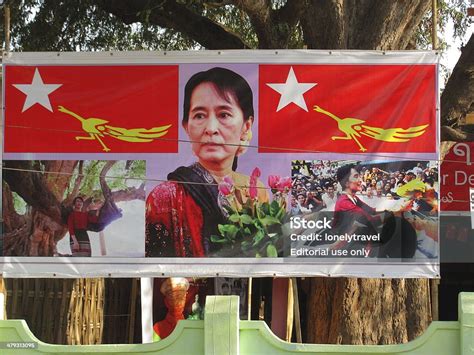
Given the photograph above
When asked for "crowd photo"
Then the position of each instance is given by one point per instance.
(397, 199)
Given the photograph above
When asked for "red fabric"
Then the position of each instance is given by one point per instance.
(79, 220)
(347, 212)
(384, 96)
(169, 205)
(166, 326)
(129, 97)
(345, 204)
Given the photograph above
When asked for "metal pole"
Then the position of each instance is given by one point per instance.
(434, 25)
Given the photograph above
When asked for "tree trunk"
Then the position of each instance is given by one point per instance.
(38, 231)
(367, 311)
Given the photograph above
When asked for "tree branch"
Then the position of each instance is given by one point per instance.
(457, 99)
(455, 135)
(174, 15)
(131, 193)
(273, 27)
(107, 192)
(259, 13)
(77, 184)
(11, 219)
(32, 187)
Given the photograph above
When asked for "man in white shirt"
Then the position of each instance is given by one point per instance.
(329, 198)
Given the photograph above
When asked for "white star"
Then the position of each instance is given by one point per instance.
(37, 92)
(292, 91)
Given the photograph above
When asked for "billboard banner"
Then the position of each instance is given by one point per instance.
(230, 163)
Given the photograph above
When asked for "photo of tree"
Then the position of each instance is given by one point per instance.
(73, 208)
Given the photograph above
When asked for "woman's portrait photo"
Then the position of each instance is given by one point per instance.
(184, 212)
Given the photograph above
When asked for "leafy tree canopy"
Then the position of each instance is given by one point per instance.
(89, 25)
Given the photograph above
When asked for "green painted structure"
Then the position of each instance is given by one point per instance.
(222, 333)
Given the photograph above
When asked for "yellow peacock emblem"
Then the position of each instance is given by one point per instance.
(98, 128)
(353, 128)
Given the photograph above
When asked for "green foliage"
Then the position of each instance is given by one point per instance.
(19, 204)
(80, 25)
(122, 175)
(234, 20)
(255, 229)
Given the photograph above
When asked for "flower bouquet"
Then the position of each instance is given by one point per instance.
(254, 228)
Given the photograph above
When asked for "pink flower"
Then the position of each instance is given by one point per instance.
(274, 181)
(226, 187)
(253, 183)
(277, 183)
(285, 183)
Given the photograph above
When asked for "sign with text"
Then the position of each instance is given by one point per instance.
(456, 201)
(198, 164)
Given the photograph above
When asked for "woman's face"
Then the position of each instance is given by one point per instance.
(216, 125)
(78, 203)
(354, 182)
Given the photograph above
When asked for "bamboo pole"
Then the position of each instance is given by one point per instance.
(289, 311)
(297, 310)
(7, 28)
(133, 303)
(434, 25)
(434, 285)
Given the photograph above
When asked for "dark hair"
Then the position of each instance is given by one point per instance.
(77, 198)
(429, 181)
(227, 83)
(343, 174)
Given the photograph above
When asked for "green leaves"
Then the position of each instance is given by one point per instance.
(256, 229)
(246, 219)
(269, 220)
(258, 237)
(234, 218)
(272, 251)
(228, 231)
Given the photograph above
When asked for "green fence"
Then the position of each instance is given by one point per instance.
(222, 333)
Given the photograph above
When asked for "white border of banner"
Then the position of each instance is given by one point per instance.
(224, 56)
(61, 267)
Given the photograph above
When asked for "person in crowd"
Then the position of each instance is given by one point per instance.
(294, 206)
(312, 202)
(329, 198)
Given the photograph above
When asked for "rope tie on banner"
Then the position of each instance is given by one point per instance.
(276, 149)
(162, 180)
